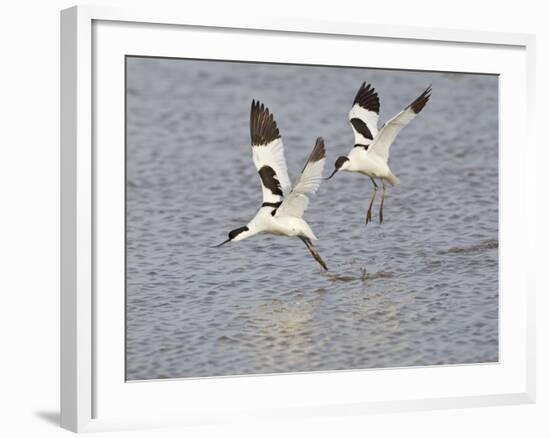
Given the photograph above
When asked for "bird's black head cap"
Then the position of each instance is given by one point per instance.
(338, 165)
(340, 162)
(234, 233)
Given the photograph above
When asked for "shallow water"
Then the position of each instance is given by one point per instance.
(420, 289)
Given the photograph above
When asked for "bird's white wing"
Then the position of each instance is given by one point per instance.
(386, 136)
(268, 154)
(309, 181)
(363, 116)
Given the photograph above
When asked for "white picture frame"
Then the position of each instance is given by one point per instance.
(93, 395)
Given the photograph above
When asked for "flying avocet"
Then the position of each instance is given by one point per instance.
(371, 150)
(282, 208)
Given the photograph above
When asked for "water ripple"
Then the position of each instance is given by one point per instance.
(421, 289)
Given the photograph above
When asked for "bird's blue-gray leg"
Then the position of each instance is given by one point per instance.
(313, 251)
(382, 201)
(369, 211)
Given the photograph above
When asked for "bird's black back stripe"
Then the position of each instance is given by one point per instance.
(366, 146)
(275, 206)
(421, 101)
(263, 128)
(270, 180)
(361, 127)
(367, 98)
(272, 204)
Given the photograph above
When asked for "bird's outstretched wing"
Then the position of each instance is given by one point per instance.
(297, 201)
(363, 115)
(268, 154)
(386, 136)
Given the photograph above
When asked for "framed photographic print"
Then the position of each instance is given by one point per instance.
(264, 218)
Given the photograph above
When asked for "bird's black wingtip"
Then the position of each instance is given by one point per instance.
(320, 142)
(318, 150)
(421, 101)
(263, 128)
(367, 98)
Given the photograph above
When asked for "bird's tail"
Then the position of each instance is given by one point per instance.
(393, 180)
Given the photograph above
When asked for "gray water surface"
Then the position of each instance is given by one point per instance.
(420, 289)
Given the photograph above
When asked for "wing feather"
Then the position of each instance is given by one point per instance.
(268, 153)
(388, 133)
(364, 114)
(309, 181)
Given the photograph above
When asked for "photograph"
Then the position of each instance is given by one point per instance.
(290, 218)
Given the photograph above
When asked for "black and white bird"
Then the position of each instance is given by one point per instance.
(283, 207)
(371, 150)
